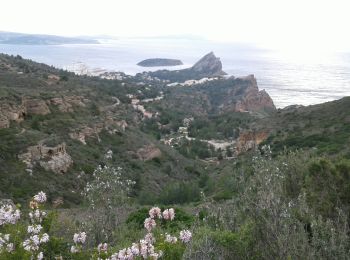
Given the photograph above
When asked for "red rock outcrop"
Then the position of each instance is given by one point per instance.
(249, 140)
(246, 96)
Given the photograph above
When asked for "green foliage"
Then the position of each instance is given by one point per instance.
(180, 193)
(172, 251)
(223, 126)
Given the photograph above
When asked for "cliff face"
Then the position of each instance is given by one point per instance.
(221, 96)
(246, 96)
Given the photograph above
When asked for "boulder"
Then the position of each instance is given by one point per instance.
(148, 152)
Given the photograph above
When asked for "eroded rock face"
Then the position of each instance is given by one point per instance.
(36, 107)
(55, 158)
(66, 103)
(109, 124)
(241, 95)
(250, 140)
(148, 152)
(253, 99)
(10, 112)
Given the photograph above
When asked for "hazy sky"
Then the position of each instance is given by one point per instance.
(272, 23)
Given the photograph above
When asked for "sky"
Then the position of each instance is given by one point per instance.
(280, 24)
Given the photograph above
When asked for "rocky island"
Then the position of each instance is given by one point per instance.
(208, 66)
(159, 62)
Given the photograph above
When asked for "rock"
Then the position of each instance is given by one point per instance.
(61, 104)
(253, 99)
(4, 122)
(36, 107)
(58, 163)
(209, 65)
(109, 124)
(157, 62)
(55, 158)
(84, 132)
(56, 202)
(148, 152)
(10, 112)
(249, 140)
(66, 103)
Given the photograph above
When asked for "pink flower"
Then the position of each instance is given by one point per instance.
(149, 224)
(169, 214)
(155, 212)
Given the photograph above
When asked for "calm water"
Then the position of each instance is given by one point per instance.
(289, 78)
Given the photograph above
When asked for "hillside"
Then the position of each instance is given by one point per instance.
(57, 127)
(239, 178)
(41, 39)
(324, 127)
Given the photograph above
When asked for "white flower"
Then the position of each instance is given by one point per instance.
(74, 249)
(185, 236)
(149, 224)
(155, 212)
(9, 247)
(170, 239)
(31, 244)
(79, 237)
(40, 197)
(45, 238)
(40, 256)
(154, 256)
(169, 214)
(34, 229)
(9, 215)
(103, 247)
(109, 154)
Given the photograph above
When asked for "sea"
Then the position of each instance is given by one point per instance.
(291, 77)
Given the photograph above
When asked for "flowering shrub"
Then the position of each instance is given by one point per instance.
(107, 191)
(31, 245)
(36, 236)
